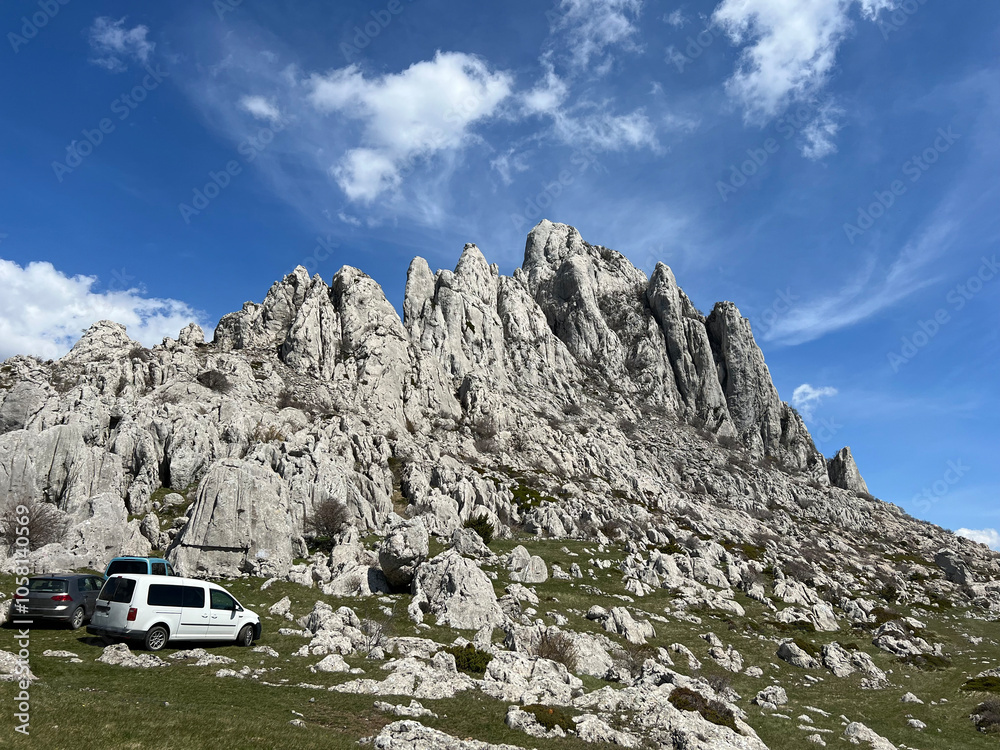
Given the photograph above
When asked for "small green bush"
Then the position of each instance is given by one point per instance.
(470, 659)
(983, 685)
(482, 525)
(927, 662)
(810, 648)
(550, 717)
(686, 699)
(798, 626)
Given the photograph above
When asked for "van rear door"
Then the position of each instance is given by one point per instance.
(113, 604)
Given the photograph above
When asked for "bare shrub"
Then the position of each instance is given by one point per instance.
(266, 434)
(38, 523)
(377, 631)
(216, 381)
(557, 647)
(327, 519)
(630, 657)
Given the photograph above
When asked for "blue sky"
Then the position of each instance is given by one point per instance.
(829, 165)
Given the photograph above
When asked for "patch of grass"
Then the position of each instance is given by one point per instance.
(810, 648)
(716, 712)
(798, 626)
(551, 717)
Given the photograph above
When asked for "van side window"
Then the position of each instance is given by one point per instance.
(222, 600)
(159, 569)
(165, 596)
(194, 596)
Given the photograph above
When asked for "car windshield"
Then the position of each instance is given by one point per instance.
(127, 566)
(48, 586)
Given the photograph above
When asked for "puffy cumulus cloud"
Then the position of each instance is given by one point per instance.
(261, 108)
(43, 311)
(428, 108)
(989, 537)
(593, 26)
(789, 48)
(806, 398)
(113, 45)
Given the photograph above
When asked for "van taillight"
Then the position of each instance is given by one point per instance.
(62, 598)
(131, 614)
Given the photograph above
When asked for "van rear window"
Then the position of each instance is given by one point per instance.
(127, 566)
(117, 589)
(48, 586)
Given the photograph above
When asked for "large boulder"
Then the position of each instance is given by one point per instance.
(457, 592)
(954, 567)
(240, 524)
(404, 547)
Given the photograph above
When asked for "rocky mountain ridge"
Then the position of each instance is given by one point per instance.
(575, 398)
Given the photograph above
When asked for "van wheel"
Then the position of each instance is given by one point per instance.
(245, 638)
(156, 638)
(76, 621)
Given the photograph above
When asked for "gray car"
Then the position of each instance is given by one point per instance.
(67, 598)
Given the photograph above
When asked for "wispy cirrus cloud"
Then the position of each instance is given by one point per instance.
(112, 44)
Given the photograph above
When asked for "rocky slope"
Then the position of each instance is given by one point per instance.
(576, 399)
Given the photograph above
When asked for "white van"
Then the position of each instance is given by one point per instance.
(154, 609)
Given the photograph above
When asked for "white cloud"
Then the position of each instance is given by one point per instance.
(43, 312)
(789, 49)
(818, 136)
(261, 108)
(587, 28)
(675, 19)
(113, 45)
(600, 130)
(428, 108)
(806, 398)
(548, 96)
(989, 537)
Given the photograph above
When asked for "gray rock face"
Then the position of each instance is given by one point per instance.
(457, 592)
(240, 524)
(404, 547)
(844, 472)
(954, 567)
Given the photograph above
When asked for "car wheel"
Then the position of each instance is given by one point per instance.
(76, 621)
(245, 638)
(156, 638)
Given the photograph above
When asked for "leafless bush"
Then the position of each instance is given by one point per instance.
(327, 519)
(630, 657)
(266, 434)
(559, 648)
(38, 523)
(378, 631)
(216, 381)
